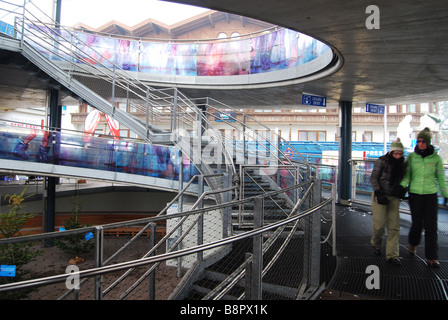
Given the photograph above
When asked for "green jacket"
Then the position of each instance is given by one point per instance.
(422, 173)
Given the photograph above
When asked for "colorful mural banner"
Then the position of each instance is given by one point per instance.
(30, 144)
(108, 52)
(278, 50)
(224, 58)
(168, 58)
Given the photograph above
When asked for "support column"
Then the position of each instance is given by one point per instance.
(51, 182)
(345, 152)
(57, 12)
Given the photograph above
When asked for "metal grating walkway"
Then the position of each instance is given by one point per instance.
(413, 280)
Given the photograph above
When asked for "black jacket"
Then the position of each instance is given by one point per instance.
(387, 174)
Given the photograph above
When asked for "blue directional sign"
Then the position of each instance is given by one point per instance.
(375, 108)
(7, 271)
(225, 116)
(311, 100)
(6, 28)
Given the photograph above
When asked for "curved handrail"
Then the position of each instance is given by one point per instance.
(147, 260)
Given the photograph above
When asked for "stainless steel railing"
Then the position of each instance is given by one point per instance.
(103, 268)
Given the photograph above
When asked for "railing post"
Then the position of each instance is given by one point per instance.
(199, 124)
(200, 235)
(152, 275)
(244, 140)
(23, 24)
(147, 112)
(174, 113)
(248, 276)
(255, 292)
(315, 235)
(241, 196)
(353, 192)
(99, 241)
(333, 217)
(112, 99)
(181, 179)
(227, 210)
(180, 207)
(311, 255)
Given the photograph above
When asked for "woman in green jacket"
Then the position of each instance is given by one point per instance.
(424, 176)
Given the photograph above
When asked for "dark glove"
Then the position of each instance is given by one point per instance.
(400, 192)
(380, 198)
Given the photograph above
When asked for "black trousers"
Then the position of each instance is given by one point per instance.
(424, 210)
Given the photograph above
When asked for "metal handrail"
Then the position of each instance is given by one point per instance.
(159, 258)
(228, 283)
(159, 217)
(261, 125)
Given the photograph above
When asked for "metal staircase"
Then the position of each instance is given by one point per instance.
(238, 172)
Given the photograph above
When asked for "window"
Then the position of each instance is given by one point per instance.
(435, 108)
(424, 107)
(367, 136)
(125, 133)
(312, 135)
(392, 109)
(235, 35)
(303, 136)
(392, 135)
(222, 35)
(260, 134)
(322, 136)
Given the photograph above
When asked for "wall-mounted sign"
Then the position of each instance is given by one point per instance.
(229, 116)
(375, 108)
(311, 100)
(6, 28)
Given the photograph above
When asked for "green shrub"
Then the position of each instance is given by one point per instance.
(17, 254)
(75, 244)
